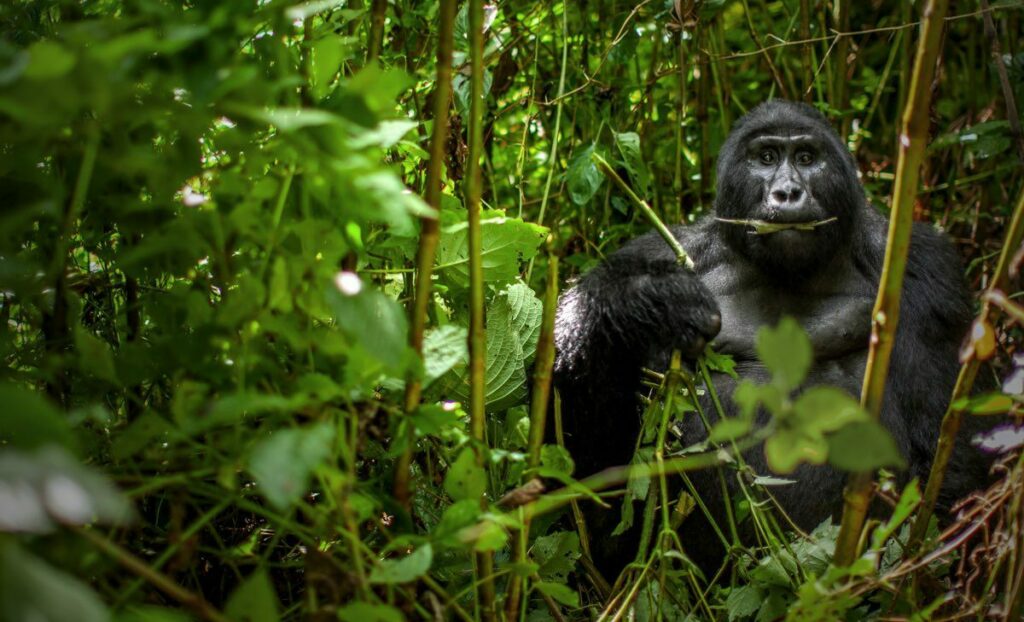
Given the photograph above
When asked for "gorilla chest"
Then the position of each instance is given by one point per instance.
(836, 316)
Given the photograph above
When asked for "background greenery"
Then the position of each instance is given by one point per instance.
(210, 220)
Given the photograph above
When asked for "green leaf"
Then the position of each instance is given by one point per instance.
(583, 177)
(786, 351)
(556, 458)
(280, 297)
(632, 157)
(371, 320)
(283, 463)
(326, 57)
(406, 569)
(826, 409)
(863, 446)
(729, 429)
(47, 60)
(556, 554)
(787, 448)
(443, 348)
(254, 600)
(908, 502)
(95, 357)
(559, 592)
(506, 242)
(513, 325)
(743, 601)
(365, 612)
(30, 421)
(31, 589)
(465, 479)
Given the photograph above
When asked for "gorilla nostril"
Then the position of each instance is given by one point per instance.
(715, 324)
(795, 194)
(779, 196)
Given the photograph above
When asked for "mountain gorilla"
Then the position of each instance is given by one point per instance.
(785, 165)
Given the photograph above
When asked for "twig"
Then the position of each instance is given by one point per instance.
(162, 582)
(670, 239)
(484, 561)
(429, 231)
(885, 316)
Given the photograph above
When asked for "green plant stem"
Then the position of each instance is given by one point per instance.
(965, 380)
(615, 476)
(429, 234)
(885, 315)
(484, 561)
(539, 398)
(642, 205)
(200, 606)
(375, 40)
(672, 379)
(55, 324)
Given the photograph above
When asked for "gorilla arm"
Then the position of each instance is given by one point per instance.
(637, 302)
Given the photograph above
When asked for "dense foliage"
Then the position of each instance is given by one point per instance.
(209, 235)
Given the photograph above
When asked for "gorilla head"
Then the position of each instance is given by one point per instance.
(783, 164)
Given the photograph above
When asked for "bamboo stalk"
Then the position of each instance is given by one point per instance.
(1004, 80)
(540, 397)
(429, 231)
(885, 316)
(378, 13)
(965, 380)
(553, 157)
(484, 561)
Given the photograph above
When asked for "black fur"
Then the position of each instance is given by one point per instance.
(639, 305)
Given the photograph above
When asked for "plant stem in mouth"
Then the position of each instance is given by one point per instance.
(764, 227)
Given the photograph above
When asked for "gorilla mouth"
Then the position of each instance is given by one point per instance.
(764, 227)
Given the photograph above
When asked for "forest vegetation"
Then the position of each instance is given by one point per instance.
(278, 281)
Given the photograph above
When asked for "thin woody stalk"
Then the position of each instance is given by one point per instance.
(965, 381)
(545, 362)
(484, 562)
(378, 12)
(642, 205)
(429, 230)
(885, 316)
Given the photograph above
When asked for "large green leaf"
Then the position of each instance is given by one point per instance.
(786, 351)
(283, 463)
(31, 589)
(513, 325)
(404, 569)
(254, 600)
(507, 243)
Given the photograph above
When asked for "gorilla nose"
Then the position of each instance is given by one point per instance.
(787, 197)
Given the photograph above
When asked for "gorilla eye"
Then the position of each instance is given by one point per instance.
(804, 158)
(767, 156)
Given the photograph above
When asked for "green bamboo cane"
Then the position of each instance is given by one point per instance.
(885, 315)
(429, 231)
(545, 362)
(484, 561)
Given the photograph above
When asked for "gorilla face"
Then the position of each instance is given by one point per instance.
(784, 165)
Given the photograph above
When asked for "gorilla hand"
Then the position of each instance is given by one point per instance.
(630, 304)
